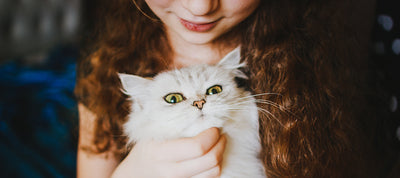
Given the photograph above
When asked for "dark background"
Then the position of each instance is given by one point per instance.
(40, 42)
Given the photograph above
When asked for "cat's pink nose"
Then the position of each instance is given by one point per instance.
(199, 104)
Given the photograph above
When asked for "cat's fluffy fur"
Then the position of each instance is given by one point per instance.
(233, 110)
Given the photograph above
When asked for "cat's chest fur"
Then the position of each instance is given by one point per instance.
(184, 102)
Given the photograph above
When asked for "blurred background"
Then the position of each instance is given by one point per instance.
(39, 46)
(40, 42)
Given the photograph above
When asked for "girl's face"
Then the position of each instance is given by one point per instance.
(201, 21)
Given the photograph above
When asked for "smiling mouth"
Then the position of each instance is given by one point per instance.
(198, 27)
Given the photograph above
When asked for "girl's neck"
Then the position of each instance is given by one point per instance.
(186, 54)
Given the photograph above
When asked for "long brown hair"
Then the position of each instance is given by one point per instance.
(307, 52)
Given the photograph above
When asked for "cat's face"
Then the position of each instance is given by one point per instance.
(185, 101)
(196, 95)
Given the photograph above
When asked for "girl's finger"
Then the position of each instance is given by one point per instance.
(204, 163)
(189, 148)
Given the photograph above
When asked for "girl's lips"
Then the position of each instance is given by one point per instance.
(198, 27)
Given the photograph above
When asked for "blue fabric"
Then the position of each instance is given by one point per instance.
(38, 117)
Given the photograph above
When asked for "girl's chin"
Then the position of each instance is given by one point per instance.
(199, 39)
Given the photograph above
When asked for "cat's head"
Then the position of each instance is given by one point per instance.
(187, 100)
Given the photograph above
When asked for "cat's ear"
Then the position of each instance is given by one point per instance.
(231, 60)
(132, 85)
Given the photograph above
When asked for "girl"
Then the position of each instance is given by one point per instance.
(313, 53)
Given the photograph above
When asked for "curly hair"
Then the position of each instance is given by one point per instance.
(311, 53)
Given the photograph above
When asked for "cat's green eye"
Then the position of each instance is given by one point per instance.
(214, 90)
(174, 98)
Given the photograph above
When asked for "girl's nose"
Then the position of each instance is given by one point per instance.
(200, 7)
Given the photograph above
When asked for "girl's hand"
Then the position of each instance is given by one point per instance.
(199, 156)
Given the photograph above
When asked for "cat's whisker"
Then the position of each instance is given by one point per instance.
(272, 104)
(240, 103)
(241, 100)
(238, 108)
(261, 94)
(276, 105)
(232, 107)
(232, 102)
(267, 113)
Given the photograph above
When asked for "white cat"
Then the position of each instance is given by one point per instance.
(186, 101)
